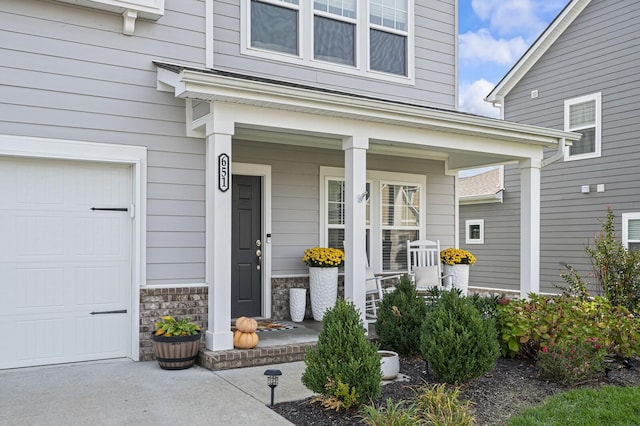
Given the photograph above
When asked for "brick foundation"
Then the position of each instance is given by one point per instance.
(280, 295)
(188, 302)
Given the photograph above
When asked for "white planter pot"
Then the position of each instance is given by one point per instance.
(459, 277)
(323, 285)
(389, 364)
(297, 303)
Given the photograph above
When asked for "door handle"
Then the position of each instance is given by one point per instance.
(259, 256)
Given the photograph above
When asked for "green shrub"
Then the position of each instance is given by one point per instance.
(393, 414)
(434, 405)
(614, 267)
(571, 361)
(400, 316)
(457, 342)
(438, 406)
(527, 325)
(345, 366)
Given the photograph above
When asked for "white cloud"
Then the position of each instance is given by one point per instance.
(482, 46)
(524, 17)
(472, 99)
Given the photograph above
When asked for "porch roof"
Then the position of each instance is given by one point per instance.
(461, 139)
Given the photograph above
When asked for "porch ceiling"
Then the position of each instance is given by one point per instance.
(322, 118)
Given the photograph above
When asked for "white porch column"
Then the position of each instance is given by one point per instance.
(355, 173)
(218, 233)
(530, 226)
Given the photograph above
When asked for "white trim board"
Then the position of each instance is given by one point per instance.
(22, 146)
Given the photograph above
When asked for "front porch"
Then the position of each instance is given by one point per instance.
(330, 169)
(275, 347)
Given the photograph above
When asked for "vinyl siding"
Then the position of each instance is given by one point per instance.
(69, 73)
(435, 41)
(597, 53)
(295, 174)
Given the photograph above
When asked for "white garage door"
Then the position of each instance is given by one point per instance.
(65, 270)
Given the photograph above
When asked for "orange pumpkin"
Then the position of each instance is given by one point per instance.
(243, 340)
(246, 325)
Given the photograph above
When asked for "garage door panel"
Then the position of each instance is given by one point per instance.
(60, 261)
(37, 288)
(40, 235)
(99, 235)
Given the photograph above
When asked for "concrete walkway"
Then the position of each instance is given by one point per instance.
(123, 392)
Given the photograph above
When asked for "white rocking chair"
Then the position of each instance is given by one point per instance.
(425, 267)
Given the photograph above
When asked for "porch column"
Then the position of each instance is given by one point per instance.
(355, 174)
(530, 226)
(218, 233)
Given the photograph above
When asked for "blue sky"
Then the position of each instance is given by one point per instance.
(493, 36)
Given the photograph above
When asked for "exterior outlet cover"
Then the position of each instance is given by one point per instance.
(585, 189)
(600, 187)
(534, 94)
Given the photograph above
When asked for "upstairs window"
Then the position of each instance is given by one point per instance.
(631, 231)
(371, 39)
(274, 25)
(388, 36)
(334, 31)
(582, 115)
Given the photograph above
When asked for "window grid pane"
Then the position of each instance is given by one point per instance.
(400, 205)
(346, 8)
(389, 13)
(633, 229)
(582, 114)
(387, 52)
(586, 144)
(335, 208)
(394, 249)
(334, 41)
(274, 27)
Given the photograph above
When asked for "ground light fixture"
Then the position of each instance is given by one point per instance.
(272, 381)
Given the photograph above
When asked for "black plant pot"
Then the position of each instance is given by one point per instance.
(176, 353)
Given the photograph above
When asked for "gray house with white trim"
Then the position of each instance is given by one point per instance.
(178, 156)
(580, 75)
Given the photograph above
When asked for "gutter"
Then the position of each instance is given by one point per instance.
(559, 155)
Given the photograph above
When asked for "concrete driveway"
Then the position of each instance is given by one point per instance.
(122, 392)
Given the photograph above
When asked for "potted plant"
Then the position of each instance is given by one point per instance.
(323, 263)
(175, 343)
(456, 265)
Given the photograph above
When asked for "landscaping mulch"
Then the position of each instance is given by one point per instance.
(511, 387)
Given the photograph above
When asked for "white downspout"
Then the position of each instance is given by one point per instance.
(557, 156)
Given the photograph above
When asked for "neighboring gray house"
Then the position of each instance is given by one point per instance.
(580, 75)
(178, 156)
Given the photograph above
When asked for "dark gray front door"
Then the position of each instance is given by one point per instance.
(246, 247)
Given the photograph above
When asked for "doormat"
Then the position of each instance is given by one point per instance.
(274, 326)
(271, 326)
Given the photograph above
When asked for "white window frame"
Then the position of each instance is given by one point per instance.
(467, 225)
(305, 55)
(626, 217)
(597, 98)
(340, 18)
(394, 31)
(374, 179)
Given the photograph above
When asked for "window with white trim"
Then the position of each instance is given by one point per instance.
(474, 231)
(274, 25)
(388, 34)
(334, 31)
(370, 38)
(631, 231)
(394, 214)
(583, 115)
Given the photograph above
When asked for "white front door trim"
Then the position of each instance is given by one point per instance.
(136, 156)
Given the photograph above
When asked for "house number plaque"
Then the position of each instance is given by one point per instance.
(223, 172)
